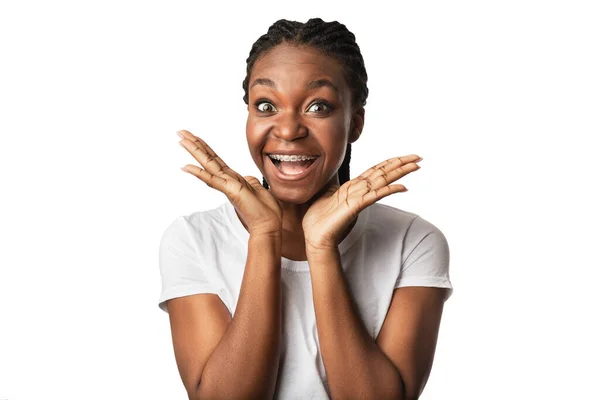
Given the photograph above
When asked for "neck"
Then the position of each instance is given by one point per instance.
(293, 245)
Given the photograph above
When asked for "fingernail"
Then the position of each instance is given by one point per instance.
(181, 143)
(183, 169)
(179, 134)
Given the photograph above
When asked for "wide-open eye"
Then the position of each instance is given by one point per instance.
(264, 106)
(320, 107)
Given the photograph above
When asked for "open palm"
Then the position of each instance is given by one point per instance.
(332, 213)
(257, 207)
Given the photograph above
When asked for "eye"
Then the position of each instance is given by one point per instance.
(264, 106)
(320, 107)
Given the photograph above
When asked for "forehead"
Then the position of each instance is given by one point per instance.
(291, 65)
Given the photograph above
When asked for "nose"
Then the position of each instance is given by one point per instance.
(289, 126)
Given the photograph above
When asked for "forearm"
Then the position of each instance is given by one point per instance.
(245, 362)
(355, 365)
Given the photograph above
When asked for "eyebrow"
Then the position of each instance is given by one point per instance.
(321, 83)
(311, 85)
(264, 81)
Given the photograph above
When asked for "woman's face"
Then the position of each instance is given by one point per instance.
(299, 104)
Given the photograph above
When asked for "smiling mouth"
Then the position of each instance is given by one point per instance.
(292, 168)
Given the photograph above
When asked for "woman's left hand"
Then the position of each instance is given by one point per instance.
(332, 213)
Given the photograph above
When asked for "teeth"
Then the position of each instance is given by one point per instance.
(291, 158)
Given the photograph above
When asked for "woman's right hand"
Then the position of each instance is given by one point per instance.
(256, 206)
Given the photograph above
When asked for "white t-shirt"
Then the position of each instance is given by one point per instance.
(388, 248)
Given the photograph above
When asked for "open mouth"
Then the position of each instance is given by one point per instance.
(292, 169)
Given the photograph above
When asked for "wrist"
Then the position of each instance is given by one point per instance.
(266, 236)
(316, 250)
(275, 233)
(266, 243)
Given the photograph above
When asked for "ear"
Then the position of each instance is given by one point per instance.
(356, 127)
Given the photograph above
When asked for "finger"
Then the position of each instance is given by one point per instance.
(390, 164)
(383, 174)
(378, 194)
(384, 179)
(207, 157)
(394, 163)
(203, 154)
(213, 181)
(374, 168)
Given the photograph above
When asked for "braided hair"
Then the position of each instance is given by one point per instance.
(333, 39)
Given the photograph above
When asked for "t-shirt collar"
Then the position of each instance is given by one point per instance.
(243, 235)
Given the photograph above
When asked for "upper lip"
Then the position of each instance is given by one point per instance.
(291, 152)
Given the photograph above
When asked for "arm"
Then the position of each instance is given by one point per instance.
(409, 334)
(223, 357)
(397, 365)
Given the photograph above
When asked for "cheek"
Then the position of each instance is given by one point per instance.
(330, 132)
(257, 123)
(256, 140)
(252, 133)
(333, 139)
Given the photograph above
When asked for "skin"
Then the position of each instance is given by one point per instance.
(291, 117)
(302, 220)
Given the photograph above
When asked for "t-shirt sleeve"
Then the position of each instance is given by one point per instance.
(181, 269)
(425, 258)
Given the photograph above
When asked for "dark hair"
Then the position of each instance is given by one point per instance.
(333, 39)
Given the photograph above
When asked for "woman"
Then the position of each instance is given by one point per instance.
(303, 286)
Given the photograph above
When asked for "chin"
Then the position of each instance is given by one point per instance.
(292, 196)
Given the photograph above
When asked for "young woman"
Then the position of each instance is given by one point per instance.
(303, 286)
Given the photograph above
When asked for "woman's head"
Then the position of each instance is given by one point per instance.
(306, 86)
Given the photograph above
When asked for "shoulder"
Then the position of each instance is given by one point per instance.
(405, 224)
(197, 222)
(381, 211)
(418, 245)
(188, 249)
(422, 246)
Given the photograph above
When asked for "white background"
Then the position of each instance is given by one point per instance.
(501, 99)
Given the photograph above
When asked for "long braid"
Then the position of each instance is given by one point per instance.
(333, 39)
